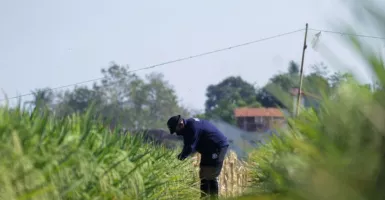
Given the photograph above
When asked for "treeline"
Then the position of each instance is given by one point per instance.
(234, 92)
(121, 98)
(125, 99)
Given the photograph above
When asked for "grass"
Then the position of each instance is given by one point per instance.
(79, 158)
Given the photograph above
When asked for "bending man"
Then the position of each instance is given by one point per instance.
(203, 137)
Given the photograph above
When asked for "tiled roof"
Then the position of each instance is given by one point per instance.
(294, 91)
(258, 112)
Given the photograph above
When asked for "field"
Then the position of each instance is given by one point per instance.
(79, 158)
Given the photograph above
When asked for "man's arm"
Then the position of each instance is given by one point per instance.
(190, 142)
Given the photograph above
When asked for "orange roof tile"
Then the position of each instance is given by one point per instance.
(294, 91)
(258, 112)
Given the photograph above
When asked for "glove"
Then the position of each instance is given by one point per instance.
(180, 157)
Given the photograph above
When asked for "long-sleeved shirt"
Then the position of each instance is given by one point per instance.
(201, 136)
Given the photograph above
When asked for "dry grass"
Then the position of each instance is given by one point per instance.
(234, 176)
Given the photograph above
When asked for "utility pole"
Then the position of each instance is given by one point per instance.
(301, 72)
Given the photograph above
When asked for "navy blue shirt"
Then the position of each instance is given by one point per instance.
(201, 136)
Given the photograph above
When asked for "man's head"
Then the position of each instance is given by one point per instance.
(175, 124)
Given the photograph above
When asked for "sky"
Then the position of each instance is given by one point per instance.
(50, 43)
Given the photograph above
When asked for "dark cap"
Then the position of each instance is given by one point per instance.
(173, 122)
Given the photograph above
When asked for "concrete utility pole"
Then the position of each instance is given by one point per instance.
(301, 72)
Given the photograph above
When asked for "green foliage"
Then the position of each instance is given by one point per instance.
(78, 157)
(42, 97)
(227, 95)
(336, 153)
(293, 68)
(234, 92)
(317, 83)
(121, 96)
(77, 100)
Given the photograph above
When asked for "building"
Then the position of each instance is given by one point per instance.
(258, 119)
(307, 100)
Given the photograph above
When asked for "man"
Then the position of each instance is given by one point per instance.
(203, 137)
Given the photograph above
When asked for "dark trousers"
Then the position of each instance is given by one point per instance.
(210, 169)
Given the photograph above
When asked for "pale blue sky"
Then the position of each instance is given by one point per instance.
(53, 43)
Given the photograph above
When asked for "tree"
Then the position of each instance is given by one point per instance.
(230, 93)
(320, 69)
(77, 100)
(116, 83)
(198, 114)
(271, 96)
(293, 68)
(276, 93)
(136, 103)
(159, 101)
(121, 98)
(42, 98)
(337, 78)
(317, 84)
(115, 90)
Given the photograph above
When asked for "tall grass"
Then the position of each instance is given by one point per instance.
(337, 153)
(79, 158)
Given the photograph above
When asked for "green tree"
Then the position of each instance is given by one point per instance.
(42, 98)
(230, 93)
(161, 101)
(276, 93)
(116, 83)
(136, 103)
(77, 100)
(123, 98)
(293, 68)
(337, 78)
(115, 90)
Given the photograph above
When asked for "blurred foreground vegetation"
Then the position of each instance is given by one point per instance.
(337, 152)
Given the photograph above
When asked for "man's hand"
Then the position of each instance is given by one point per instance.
(180, 157)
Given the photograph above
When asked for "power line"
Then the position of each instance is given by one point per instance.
(172, 61)
(350, 34)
